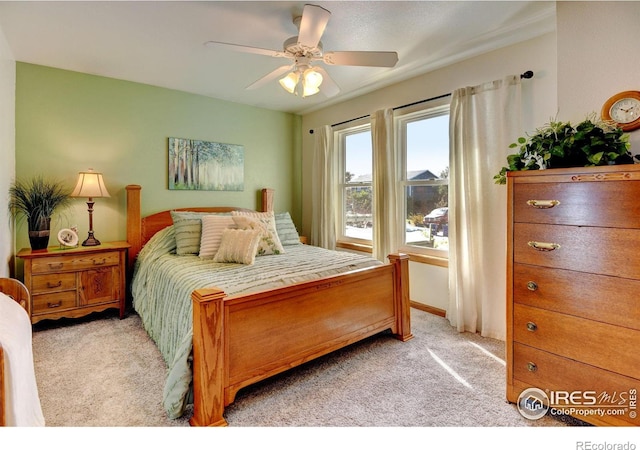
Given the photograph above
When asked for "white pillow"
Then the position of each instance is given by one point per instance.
(270, 242)
(212, 228)
(238, 246)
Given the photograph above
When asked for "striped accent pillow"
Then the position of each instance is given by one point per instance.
(212, 227)
(187, 227)
(286, 229)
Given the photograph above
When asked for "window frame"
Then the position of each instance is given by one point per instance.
(340, 136)
(401, 119)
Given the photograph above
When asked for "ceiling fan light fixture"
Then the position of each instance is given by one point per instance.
(312, 79)
(290, 82)
(308, 91)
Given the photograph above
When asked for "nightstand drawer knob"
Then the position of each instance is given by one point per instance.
(55, 266)
(99, 263)
(53, 305)
(532, 286)
(531, 367)
(51, 285)
(543, 204)
(532, 326)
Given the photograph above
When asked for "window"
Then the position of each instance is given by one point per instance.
(423, 137)
(423, 149)
(356, 170)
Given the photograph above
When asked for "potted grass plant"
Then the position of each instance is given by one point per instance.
(560, 144)
(36, 200)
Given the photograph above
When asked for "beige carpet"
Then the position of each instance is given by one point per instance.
(106, 372)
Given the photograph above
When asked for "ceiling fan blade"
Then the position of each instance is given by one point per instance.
(314, 21)
(270, 77)
(372, 59)
(328, 87)
(246, 49)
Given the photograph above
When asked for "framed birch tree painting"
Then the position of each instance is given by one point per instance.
(205, 166)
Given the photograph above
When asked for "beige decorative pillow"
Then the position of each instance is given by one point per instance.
(264, 222)
(238, 246)
(212, 228)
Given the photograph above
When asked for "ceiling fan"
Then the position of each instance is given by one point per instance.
(304, 49)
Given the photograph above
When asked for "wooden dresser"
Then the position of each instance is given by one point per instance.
(74, 282)
(573, 290)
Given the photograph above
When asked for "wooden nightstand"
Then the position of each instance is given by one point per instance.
(74, 282)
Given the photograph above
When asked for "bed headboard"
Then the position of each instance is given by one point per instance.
(141, 229)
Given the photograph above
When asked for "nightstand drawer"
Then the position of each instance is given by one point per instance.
(56, 264)
(53, 283)
(53, 302)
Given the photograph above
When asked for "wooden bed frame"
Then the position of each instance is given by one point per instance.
(18, 292)
(298, 323)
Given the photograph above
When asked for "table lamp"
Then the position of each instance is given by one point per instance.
(91, 185)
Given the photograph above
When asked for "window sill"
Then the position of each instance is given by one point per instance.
(415, 257)
(355, 247)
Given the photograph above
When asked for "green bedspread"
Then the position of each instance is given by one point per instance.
(163, 283)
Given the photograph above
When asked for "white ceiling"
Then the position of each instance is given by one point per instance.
(161, 42)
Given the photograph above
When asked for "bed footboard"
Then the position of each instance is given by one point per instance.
(240, 340)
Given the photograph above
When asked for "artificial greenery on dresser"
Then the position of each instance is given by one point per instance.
(36, 199)
(560, 144)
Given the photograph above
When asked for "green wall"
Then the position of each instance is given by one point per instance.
(67, 122)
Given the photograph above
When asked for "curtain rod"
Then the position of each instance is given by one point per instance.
(528, 74)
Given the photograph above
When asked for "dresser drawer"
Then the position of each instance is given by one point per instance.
(608, 251)
(602, 298)
(74, 262)
(594, 343)
(43, 304)
(53, 282)
(554, 373)
(595, 203)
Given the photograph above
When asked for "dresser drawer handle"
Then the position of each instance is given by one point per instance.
(51, 285)
(543, 204)
(532, 286)
(531, 367)
(532, 326)
(99, 263)
(53, 305)
(56, 265)
(543, 246)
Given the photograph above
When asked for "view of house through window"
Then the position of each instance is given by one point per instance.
(425, 138)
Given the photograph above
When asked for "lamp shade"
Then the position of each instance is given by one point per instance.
(312, 79)
(289, 82)
(90, 184)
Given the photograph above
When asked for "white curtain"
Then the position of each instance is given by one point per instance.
(385, 210)
(484, 120)
(324, 190)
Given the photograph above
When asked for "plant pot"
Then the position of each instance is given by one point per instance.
(39, 234)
